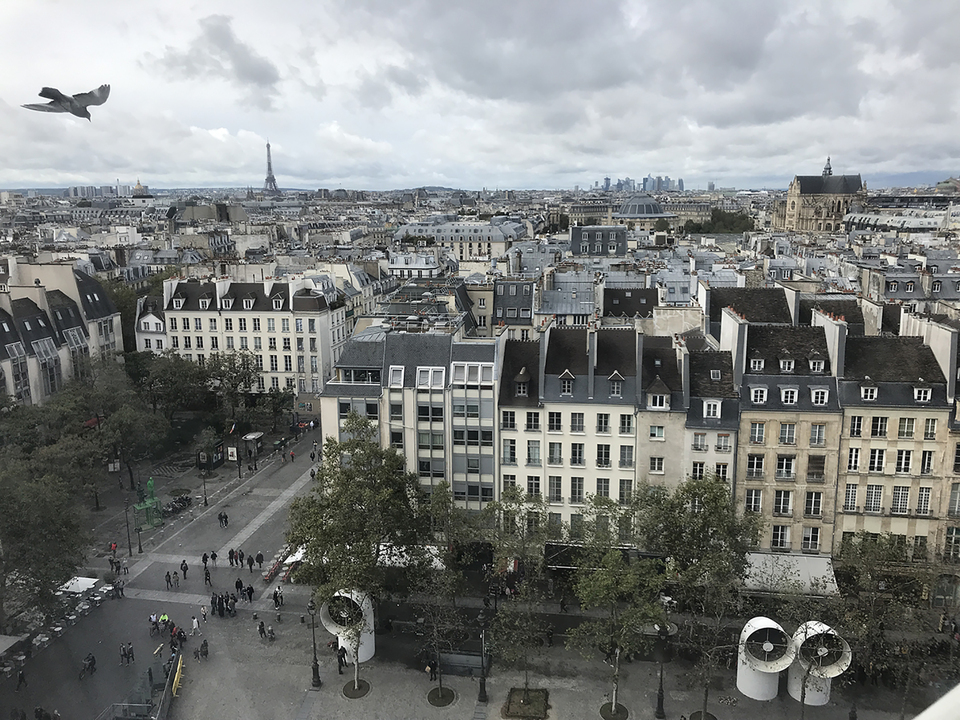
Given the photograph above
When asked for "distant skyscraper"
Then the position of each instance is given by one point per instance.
(606, 184)
(680, 184)
(711, 187)
(270, 184)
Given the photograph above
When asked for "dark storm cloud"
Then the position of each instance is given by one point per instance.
(218, 51)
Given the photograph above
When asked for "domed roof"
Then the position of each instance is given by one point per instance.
(640, 206)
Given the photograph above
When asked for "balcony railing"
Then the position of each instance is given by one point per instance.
(780, 547)
(783, 513)
(922, 512)
(754, 474)
(786, 475)
(624, 430)
(603, 463)
(576, 428)
(577, 462)
(533, 461)
(554, 460)
(555, 499)
(815, 477)
(699, 447)
(603, 429)
(872, 509)
(722, 448)
(509, 460)
(576, 499)
(809, 546)
(626, 463)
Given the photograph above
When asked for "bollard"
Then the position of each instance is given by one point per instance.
(278, 616)
(302, 620)
(255, 616)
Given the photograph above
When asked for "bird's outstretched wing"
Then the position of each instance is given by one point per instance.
(46, 107)
(53, 94)
(94, 97)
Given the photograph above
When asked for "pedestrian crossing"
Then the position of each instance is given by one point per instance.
(167, 471)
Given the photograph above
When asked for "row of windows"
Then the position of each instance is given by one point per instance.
(555, 488)
(786, 365)
(873, 499)
(780, 538)
(783, 502)
(508, 421)
(906, 428)
(788, 433)
(787, 467)
(228, 325)
(615, 389)
(936, 286)
(789, 395)
(555, 454)
(877, 461)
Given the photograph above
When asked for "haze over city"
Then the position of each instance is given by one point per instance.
(493, 94)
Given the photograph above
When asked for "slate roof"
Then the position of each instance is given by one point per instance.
(660, 364)
(848, 309)
(64, 312)
(616, 351)
(567, 350)
(801, 344)
(363, 354)
(96, 303)
(757, 305)
(8, 333)
(701, 382)
(630, 302)
(517, 355)
(32, 323)
(473, 352)
(829, 184)
(306, 300)
(413, 350)
(891, 359)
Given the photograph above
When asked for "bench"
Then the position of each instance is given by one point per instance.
(469, 664)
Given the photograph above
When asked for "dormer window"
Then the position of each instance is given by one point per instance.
(616, 388)
(277, 304)
(178, 303)
(657, 401)
(714, 374)
(756, 365)
(758, 396)
(892, 287)
(227, 303)
(868, 393)
(248, 303)
(711, 409)
(816, 366)
(935, 287)
(788, 396)
(566, 386)
(819, 396)
(396, 376)
(205, 303)
(521, 389)
(921, 394)
(908, 287)
(786, 366)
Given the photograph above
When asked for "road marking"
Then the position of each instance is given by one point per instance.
(272, 509)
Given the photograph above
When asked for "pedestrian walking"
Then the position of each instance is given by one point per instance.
(276, 599)
(341, 659)
(563, 604)
(205, 559)
(260, 559)
(169, 580)
(176, 579)
(232, 555)
(313, 456)
(183, 568)
(249, 593)
(130, 657)
(213, 603)
(203, 612)
(196, 626)
(213, 557)
(220, 605)
(238, 585)
(21, 680)
(123, 654)
(314, 442)
(206, 578)
(120, 585)
(280, 594)
(549, 637)
(240, 558)
(262, 630)
(432, 666)
(220, 518)
(123, 567)
(226, 520)
(292, 456)
(113, 549)
(250, 562)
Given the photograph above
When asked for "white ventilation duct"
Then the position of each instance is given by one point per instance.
(351, 614)
(764, 650)
(821, 655)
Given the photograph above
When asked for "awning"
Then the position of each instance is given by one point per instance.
(783, 573)
(78, 585)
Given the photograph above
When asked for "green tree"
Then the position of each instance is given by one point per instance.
(125, 299)
(364, 502)
(42, 540)
(621, 590)
(519, 535)
(272, 405)
(170, 383)
(661, 225)
(706, 543)
(232, 377)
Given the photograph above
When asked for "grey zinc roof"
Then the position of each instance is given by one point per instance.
(96, 303)
(473, 352)
(567, 350)
(362, 354)
(517, 356)
(702, 384)
(629, 301)
(891, 359)
(800, 344)
(757, 305)
(412, 350)
(829, 184)
(616, 351)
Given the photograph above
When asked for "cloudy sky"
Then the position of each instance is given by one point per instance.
(491, 93)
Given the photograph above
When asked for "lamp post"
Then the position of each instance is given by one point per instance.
(312, 609)
(482, 695)
(203, 475)
(126, 518)
(659, 713)
(139, 544)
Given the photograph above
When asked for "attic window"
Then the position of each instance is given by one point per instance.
(908, 287)
(936, 286)
(756, 365)
(868, 393)
(396, 376)
(204, 303)
(656, 362)
(816, 366)
(786, 366)
(248, 303)
(521, 389)
(178, 303)
(714, 374)
(277, 304)
(227, 303)
(921, 394)
(891, 287)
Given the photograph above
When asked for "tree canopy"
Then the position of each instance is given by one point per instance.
(721, 221)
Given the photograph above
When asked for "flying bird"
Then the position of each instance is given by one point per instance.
(75, 104)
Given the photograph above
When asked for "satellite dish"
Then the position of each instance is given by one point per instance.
(765, 649)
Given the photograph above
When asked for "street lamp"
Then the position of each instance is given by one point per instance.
(312, 609)
(126, 517)
(139, 544)
(482, 695)
(203, 475)
(659, 712)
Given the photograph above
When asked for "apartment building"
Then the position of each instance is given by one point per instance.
(53, 319)
(790, 420)
(713, 414)
(293, 328)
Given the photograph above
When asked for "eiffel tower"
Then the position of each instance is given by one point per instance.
(270, 184)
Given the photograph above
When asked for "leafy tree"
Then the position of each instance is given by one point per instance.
(273, 404)
(621, 590)
(125, 299)
(706, 543)
(169, 382)
(232, 377)
(661, 225)
(519, 536)
(364, 502)
(42, 540)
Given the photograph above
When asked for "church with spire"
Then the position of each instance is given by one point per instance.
(817, 203)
